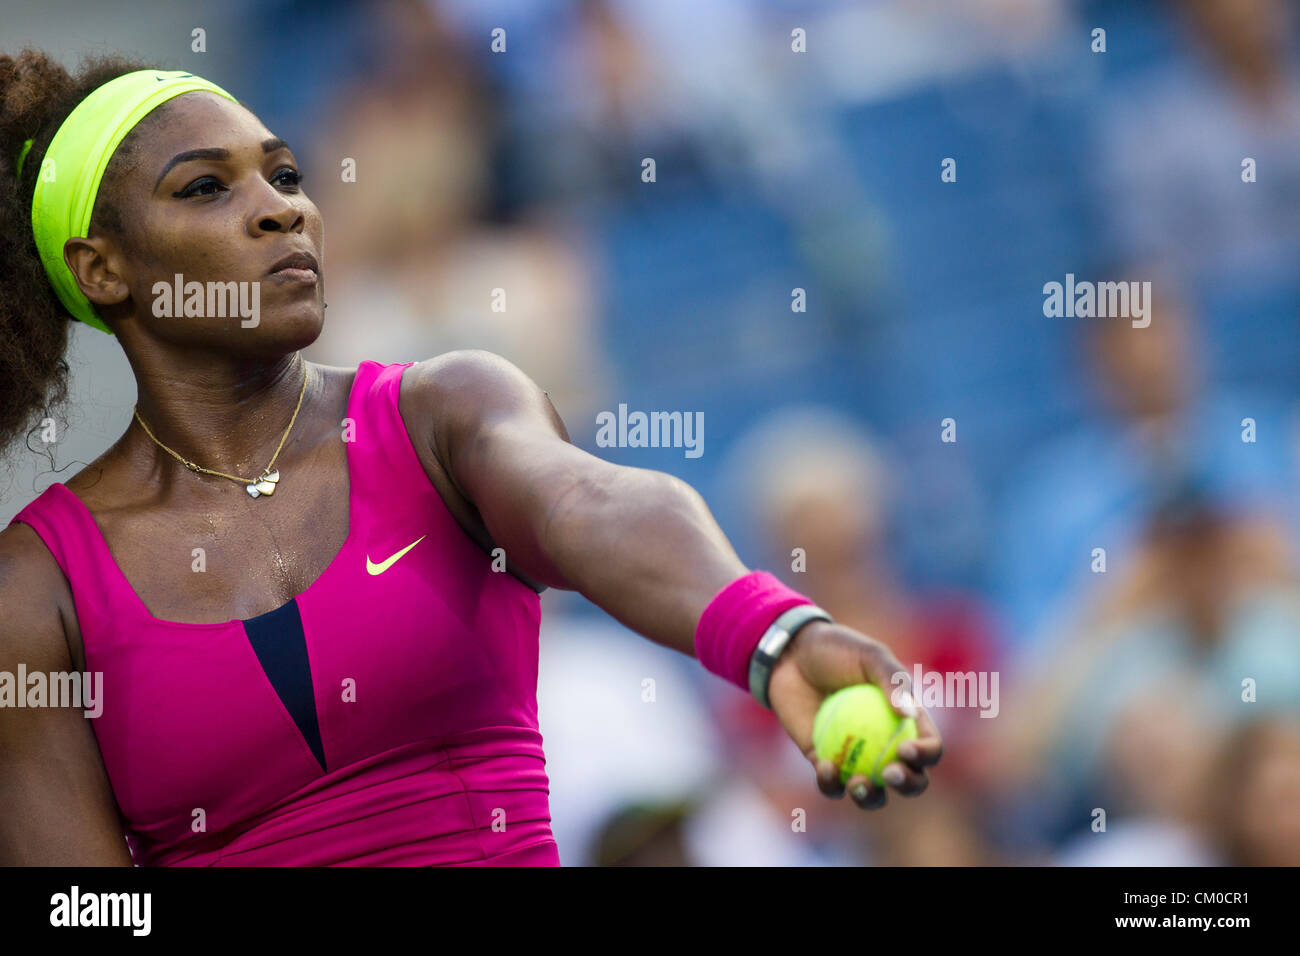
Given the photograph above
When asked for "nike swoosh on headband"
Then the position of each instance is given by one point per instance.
(389, 561)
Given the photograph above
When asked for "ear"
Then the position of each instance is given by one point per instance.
(93, 262)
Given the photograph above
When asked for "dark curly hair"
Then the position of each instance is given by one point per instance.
(36, 96)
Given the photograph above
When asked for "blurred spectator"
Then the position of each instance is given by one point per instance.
(1154, 778)
(644, 835)
(417, 265)
(1097, 485)
(1173, 144)
(1255, 793)
(1196, 633)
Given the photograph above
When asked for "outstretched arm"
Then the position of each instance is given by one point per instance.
(640, 544)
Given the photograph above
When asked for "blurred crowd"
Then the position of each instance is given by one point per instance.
(1116, 539)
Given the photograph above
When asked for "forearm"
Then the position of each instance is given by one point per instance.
(643, 546)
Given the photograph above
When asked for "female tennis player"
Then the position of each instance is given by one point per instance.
(313, 651)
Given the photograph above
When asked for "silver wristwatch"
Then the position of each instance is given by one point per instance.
(773, 642)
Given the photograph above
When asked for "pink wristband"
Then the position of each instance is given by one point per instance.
(736, 619)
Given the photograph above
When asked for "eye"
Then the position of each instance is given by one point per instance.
(204, 186)
(287, 176)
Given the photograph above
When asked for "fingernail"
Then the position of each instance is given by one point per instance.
(892, 775)
(860, 792)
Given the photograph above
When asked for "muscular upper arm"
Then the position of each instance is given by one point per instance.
(505, 448)
(58, 806)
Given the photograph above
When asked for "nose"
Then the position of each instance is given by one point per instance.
(273, 211)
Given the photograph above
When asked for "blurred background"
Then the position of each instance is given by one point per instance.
(1104, 516)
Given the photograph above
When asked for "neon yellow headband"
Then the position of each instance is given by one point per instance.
(68, 181)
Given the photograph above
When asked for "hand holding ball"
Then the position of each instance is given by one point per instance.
(856, 730)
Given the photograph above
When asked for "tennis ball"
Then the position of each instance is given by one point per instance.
(857, 731)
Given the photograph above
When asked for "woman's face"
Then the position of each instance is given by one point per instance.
(207, 192)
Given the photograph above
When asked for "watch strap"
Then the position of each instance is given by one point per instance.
(775, 640)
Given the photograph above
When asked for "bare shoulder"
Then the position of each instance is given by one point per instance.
(442, 399)
(461, 390)
(475, 373)
(34, 597)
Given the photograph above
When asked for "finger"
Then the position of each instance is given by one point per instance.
(926, 748)
(904, 779)
(927, 745)
(828, 779)
(866, 794)
(909, 755)
(924, 725)
(928, 751)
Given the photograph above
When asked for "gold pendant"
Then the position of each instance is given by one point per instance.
(264, 485)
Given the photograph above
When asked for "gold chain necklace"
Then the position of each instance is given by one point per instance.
(263, 484)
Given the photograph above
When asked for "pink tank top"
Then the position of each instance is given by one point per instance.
(385, 716)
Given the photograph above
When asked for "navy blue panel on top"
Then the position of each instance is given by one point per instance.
(281, 647)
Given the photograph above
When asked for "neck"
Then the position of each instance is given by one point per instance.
(225, 414)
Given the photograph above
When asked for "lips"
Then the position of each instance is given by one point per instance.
(297, 261)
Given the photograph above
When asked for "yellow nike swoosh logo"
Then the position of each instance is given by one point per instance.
(388, 562)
